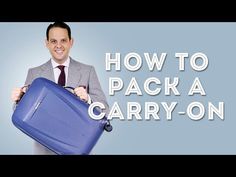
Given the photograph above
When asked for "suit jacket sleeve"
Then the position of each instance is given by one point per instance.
(95, 90)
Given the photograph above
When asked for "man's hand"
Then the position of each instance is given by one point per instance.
(17, 93)
(82, 93)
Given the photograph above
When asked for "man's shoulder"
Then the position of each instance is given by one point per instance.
(80, 64)
(42, 66)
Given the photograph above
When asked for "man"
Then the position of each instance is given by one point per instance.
(62, 69)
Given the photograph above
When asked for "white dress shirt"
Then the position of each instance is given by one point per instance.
(57, 71)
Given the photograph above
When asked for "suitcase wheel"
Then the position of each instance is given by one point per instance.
(108, 127)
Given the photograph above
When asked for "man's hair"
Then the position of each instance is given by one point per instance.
(59, 25)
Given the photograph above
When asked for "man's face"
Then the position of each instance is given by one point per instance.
(59, 44)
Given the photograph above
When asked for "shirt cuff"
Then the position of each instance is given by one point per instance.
(89, 100)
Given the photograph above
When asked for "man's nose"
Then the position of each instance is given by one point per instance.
(58, 45)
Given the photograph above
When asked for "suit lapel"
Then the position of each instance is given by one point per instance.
(47, 71)
(74, 74)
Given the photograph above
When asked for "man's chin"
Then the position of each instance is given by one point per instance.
(59, 60)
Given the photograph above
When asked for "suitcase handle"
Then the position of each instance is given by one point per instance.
(108, 127)
(72, 88)
(68, 87)
(25, 86)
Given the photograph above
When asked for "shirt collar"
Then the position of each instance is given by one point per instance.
(55, 64)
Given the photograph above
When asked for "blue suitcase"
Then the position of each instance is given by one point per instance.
(57, 119)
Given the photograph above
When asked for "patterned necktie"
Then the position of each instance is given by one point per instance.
(62, 77)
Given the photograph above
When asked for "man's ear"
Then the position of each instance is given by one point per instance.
(46, 43)
(71, 42)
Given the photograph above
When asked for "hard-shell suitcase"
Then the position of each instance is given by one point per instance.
(58, 119)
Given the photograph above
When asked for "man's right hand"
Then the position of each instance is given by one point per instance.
(17, 93)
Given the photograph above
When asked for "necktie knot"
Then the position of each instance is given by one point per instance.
(61, 67)
(62, 76)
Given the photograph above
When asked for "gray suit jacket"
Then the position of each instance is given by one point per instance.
(78, 74)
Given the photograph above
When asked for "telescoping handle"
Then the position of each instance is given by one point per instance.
(108, 127)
